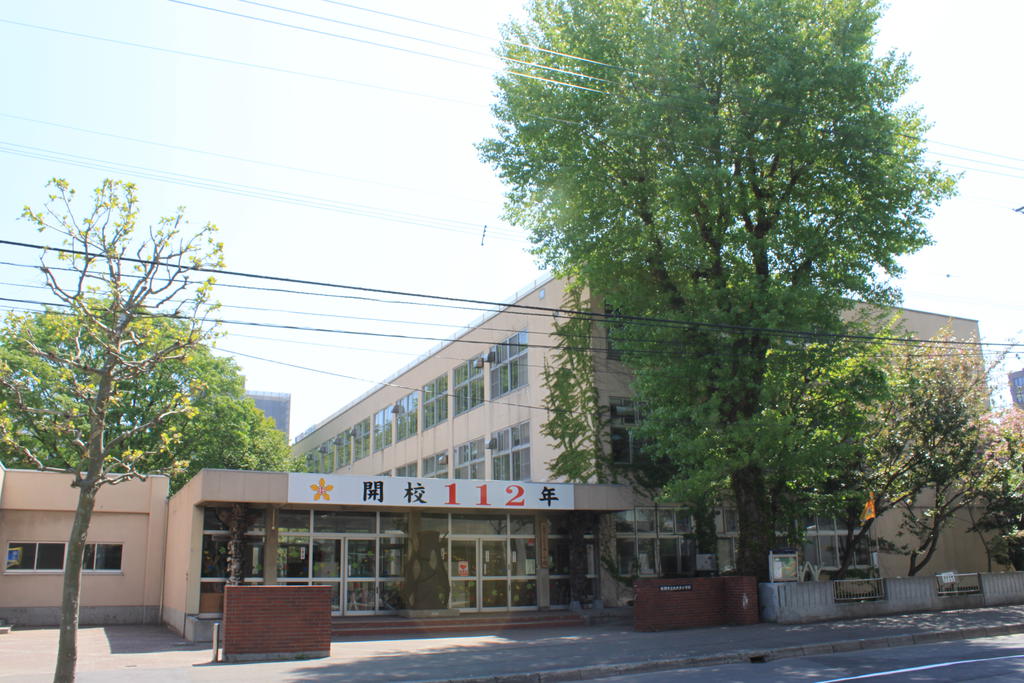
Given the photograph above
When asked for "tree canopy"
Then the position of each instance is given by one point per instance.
(220, 429)
(737, 170)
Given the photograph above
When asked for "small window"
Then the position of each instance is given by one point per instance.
(435, 402)
(469, 460)
(436, 466)
(508, 370)
(382, 432)
(361, 440)
(511, 457)
(31, 556)
(405, 416)
(406, 470)
(468, 386)
(102, 557)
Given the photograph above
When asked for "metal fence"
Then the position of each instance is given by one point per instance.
(858, 590)
(951, 583)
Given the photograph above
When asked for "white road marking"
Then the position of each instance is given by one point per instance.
(893, 672)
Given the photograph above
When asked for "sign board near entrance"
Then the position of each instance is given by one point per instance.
(340, 489)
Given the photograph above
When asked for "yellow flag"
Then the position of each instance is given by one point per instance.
(869, 509)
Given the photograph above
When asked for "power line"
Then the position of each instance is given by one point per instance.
(405, 36)
(232, 157)
(590, 315)
(251, 65)
(389, 47)
(476, 35)
(256, 192)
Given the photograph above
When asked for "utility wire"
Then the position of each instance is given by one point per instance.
(476, 35)
(246, 160)
(393, 34)
(384, 45)
(279, 196)
(591, 315)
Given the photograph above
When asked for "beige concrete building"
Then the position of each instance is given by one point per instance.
(441, 474)
(123, 574)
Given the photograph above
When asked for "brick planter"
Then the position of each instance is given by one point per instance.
(664, 604)
(276, 622)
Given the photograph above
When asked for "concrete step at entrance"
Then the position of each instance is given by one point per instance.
(397, 627)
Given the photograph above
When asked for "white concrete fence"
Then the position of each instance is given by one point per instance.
(798, 603)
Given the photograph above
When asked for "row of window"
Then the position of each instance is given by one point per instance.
(44, 556)
(510, 458)
(401, 421)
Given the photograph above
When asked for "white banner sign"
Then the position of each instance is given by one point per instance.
(338, 489)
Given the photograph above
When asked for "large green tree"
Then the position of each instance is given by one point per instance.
(733, 168)
(96, 351)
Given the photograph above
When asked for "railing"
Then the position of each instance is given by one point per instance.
(858, 590)
(951, 583)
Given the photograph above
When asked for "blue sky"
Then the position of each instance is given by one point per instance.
(351, 160)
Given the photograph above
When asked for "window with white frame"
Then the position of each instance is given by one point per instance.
(468, 386)
(102, 557)
(510, 459)
(406, 470)
(435, 401)
(360, 440)
(469, 460)
(436, 466)
(405, 416)
(42, 556)
(508, 368)
(35, 556)
(342, 449)
(624, 417)
(383, 435)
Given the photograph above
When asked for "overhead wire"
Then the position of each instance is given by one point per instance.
(381, 45)
(256, 192)
(586, 314)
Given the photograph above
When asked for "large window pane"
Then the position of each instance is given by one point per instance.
(344, 521)
(482, 525)
(523, 561)
(292, 521)
(293, 557)
(362, 558)
(326, 558)
(392, 557)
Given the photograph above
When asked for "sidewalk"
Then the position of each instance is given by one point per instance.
(150, 653)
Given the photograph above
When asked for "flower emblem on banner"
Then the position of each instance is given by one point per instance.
(321, 490)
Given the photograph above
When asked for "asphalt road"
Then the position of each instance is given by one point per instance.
(984, 659)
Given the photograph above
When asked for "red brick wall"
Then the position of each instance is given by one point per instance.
(277, 620)
(663, 604)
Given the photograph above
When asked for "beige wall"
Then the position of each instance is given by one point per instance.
(39, 506)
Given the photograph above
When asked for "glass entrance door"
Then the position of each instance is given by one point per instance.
(480, 574)
(360, 571)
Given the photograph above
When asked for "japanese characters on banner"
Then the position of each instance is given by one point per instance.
(337, 489)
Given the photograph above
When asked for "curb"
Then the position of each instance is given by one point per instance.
(741, 656)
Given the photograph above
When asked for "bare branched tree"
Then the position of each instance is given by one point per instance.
(125, 303)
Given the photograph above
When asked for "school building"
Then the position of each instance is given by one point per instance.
(429, 494)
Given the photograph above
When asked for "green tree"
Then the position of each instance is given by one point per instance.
(96, 349)
(226, 430)
(1001, 522)
(728, 167)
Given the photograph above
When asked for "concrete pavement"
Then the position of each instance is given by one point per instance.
(150, 653)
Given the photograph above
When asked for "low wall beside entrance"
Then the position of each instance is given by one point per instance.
(664, 604)
(276, 622)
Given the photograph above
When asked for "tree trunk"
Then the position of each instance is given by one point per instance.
(756, 528)
(67, 645)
